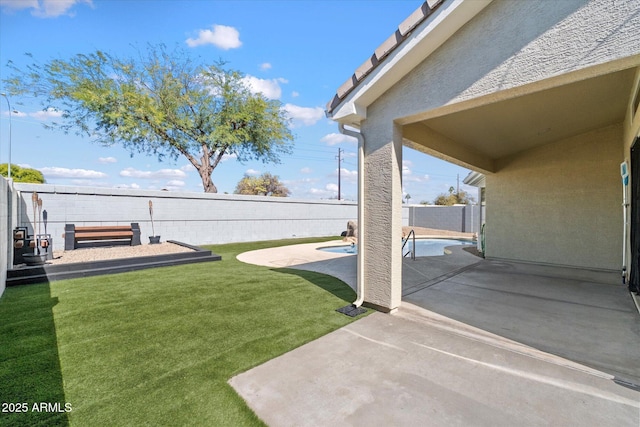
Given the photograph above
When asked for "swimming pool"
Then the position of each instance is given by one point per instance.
(424, 247)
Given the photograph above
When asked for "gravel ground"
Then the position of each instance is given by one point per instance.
(114, 252)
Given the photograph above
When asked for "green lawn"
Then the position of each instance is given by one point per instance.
(157, 347)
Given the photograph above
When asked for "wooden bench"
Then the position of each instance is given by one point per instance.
(101, 235)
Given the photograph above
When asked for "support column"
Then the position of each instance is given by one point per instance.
(381, 243)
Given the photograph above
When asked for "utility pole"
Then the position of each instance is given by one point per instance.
(457, 184)
(339, 157)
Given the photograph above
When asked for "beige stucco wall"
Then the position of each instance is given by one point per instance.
(512, 44)
(382, 215)
(632, 119)
(560, 203)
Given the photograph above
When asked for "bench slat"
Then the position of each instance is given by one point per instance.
(104, 235)
(101, 228)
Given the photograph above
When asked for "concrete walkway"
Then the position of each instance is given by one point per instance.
(307, 257)
(475, 342)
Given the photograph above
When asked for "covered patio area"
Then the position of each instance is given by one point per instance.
(475, 342)
(546, 108)
(585, 316)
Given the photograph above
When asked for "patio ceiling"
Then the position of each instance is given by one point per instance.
(476, 136)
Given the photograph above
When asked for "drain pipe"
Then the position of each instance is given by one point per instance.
(360, 260)
(624, 172)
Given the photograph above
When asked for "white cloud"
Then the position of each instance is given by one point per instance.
(187, 167)
(415, 178)
(221, 36)
(174, 185)
(55, 172)
(306, 170)
(265, 66)
(15, 113)
(270, 88)
(49, 113)
(332, 187)
(105, 160)
(252, 172)
(317, 192)
(229, 157)
(159, 174)
(307, 115)
(19, 4)
(43, 8)
(337, 138)
(132, 186)
(346, 175)
(407, 173)
(295, 94)
(406, 168)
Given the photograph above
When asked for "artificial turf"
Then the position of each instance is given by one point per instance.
(156, 347)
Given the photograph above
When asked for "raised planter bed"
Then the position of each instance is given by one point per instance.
(49, 273)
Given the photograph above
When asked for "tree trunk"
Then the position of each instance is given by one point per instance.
(205, 169)
(207, 183)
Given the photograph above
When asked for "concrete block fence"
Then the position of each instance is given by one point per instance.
(464, 218)
(195, 218)
(6, 195)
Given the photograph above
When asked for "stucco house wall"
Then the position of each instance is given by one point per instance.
(510, 44)
(563, 198)
(560, 203)
(505, 58)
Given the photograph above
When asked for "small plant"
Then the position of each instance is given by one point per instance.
(37, 258)
(153, 230)
(153, 238)
(37, 206)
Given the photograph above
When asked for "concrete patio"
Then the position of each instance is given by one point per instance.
(475, 342)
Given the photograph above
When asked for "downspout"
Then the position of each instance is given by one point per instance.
(624, 172)
(360, 259)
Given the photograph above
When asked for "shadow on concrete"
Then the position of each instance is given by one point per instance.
(581, 315)
(343, 268)
(30, 372)
(323, 281)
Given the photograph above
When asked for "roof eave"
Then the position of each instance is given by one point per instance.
(475, 179)
(414, 40)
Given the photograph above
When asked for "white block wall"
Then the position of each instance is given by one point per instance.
(464, 218)
(194, 218)
(5, 231)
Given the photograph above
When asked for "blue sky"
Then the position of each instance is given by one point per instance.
(298, 52)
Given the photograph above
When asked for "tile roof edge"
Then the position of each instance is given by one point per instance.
(389, 45)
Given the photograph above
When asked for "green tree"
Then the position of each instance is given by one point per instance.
(263, 185)
(453, 198)
(160, 103)
(20, 174)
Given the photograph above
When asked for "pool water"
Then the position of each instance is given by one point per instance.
(424, 247)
